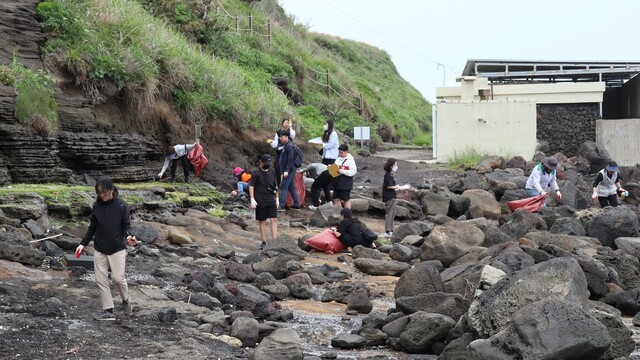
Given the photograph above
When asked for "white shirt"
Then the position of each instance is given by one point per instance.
(276, 140)
(181, 150)
(330, 148)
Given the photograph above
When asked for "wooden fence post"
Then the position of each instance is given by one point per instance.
(250, 22)
(361, 106)
(269, 30)
(328, 84)
(237, 23)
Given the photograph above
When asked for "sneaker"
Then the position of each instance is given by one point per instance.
(126, 307)
(105, 315)
(280, 209)
(263, 245)
(294, 207)
(389, 233)
(312, 208)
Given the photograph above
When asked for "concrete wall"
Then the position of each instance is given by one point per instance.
(620, 138)
(510, 128)
(554, 93)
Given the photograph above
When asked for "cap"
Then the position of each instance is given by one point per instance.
(613, 166)
(237, 171)
(266, 158)
(550, 162)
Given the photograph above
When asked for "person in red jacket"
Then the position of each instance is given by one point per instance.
(109, 227)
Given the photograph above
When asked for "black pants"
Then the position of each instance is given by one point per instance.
(611, 200)
(321, 183)
(185, 166)
(328, 161)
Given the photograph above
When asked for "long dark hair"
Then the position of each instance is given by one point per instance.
(389, 164)
(348, 214)
(327, 133)
(107, 185)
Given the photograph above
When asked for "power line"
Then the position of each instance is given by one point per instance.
(438, 63)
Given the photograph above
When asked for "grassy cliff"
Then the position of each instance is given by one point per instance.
(242, 63)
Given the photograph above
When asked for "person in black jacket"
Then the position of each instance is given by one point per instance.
(109, 228)
(288, 169)
(349, 232)
(389, 188)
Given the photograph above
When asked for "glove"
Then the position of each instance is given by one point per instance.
(132, 241)
(234, 193)
(159, 176)
(594, 195)
(342, 171)
(285, 174)
(559, 195)
(254, 204)
(269, 141)
(79, 250)
(277, 203)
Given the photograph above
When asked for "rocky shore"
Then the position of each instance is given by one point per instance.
(461, 278)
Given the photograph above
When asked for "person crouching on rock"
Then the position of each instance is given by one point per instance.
(109, 226)
(606, 186)
(348, 231)
(263, 191)
(543, 176)
(242, 177)
(173, 154)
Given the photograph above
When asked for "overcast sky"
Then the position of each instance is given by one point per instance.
(419, 34)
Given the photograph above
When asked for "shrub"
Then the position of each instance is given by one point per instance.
(35, 104)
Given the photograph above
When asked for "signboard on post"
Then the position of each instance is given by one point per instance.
(361, 133)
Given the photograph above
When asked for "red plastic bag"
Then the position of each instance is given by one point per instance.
(325, 241)
(197, 159)
(298, 182)
(530, 204)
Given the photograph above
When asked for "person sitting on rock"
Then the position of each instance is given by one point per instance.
(606, 186)
(242, 180)
(349, 232)
(173, 154)
(543, 176)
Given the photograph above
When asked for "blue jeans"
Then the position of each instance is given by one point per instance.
(242, 187)
(532, 192)
(287, 185)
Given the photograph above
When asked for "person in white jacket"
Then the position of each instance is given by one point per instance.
(330, 144)
(343, 183)
(173, 154)
(543, 176)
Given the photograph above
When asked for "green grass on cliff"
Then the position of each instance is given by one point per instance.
(35, 104)
(192, 54)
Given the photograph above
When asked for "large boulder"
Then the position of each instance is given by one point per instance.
(613, 223)
(559, 278)
(276, 266)
(546, 329)
(299, 285)
(250, 298)
(451, 305)
(23, 206)
(282, 344)
(581, 244)
(433, 203)
(14, 246)
(287, 246)
(421, 279)
(424, 330)
(629, 245)
(596, 154)
(522, 223)
(568, 226)
(246, 330)
(485, 201)
(326, 215)
(421, 228)
(381, 267)
(451, 241)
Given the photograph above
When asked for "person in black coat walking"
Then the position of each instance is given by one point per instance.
(109, 227)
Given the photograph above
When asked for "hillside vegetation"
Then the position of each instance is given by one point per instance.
(215, 61)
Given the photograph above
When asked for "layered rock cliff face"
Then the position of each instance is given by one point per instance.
(83, 143)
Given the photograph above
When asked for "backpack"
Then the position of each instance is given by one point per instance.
(368, 234)
(298, 158)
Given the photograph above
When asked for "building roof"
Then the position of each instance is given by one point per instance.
(613, 73)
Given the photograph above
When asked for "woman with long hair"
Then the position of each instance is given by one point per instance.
(349, 230)
(330, 144)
